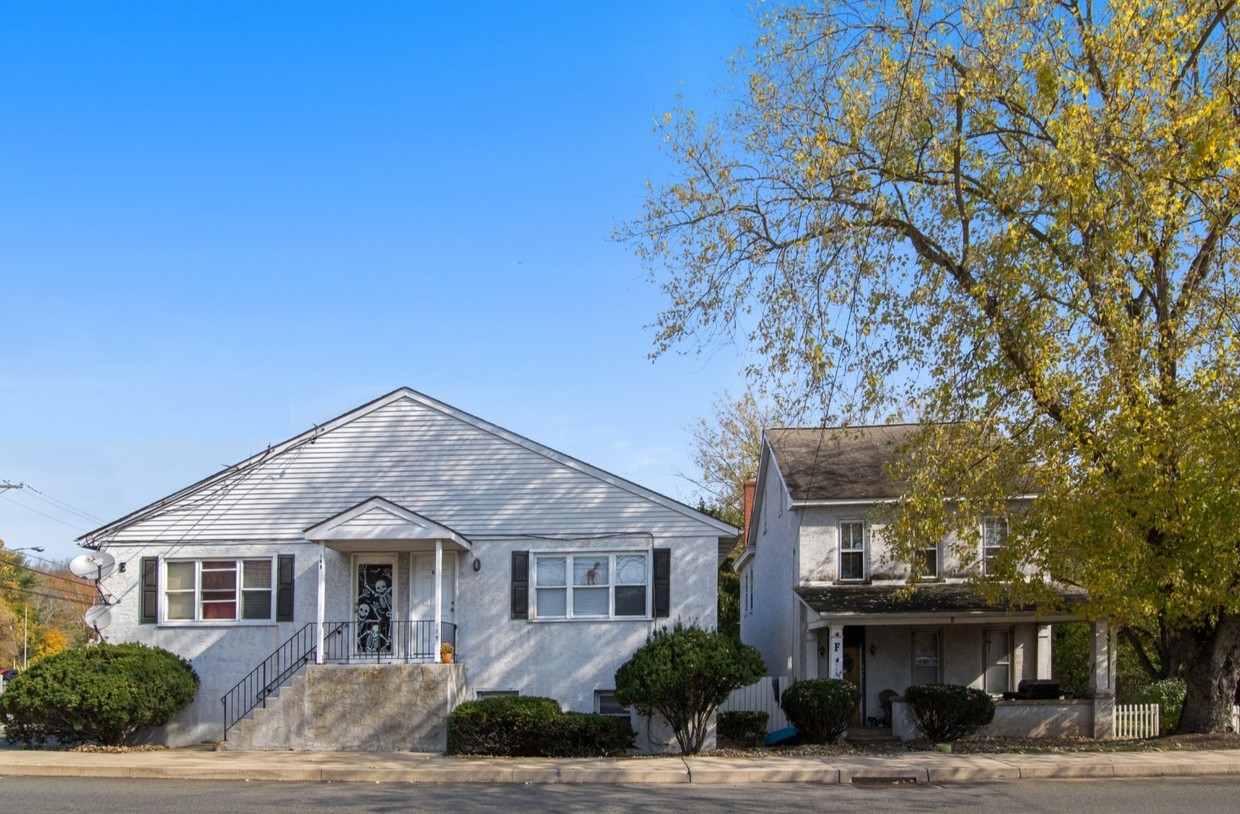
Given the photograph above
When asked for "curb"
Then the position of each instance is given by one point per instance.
(411, 769)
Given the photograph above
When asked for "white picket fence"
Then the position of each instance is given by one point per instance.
(1235, 718)
(761, 697)
(1137, 720)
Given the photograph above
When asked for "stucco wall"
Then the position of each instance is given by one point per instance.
(564, 660)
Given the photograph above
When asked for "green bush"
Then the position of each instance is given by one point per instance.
(104, 693)
(529, 726)
(820, 708)
(684, 674)
(947, 712)
(743, 727)
(1169, 695)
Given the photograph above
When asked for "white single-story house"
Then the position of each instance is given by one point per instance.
(822, 596)
(312, 585)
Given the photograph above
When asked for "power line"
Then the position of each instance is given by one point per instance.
(45, 514)
(69, 580)
(46, 498)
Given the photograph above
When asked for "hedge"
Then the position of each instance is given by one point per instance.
(530, 726)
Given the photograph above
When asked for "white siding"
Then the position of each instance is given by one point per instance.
(772, 626)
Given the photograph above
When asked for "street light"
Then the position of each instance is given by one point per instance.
(26, 611)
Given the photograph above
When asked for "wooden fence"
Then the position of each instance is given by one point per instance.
(1136, 721)
(761, 697)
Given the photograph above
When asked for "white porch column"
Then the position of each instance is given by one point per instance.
(1045, 666)
(438, 598)
(811, 654)
(322, 602)
(836, 652)
(1102, 649)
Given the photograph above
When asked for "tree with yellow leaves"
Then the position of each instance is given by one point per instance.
(1016, 222)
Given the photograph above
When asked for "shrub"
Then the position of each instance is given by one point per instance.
(947, 712)
(684, 674)
(1169, 695)
(529, 726)
(104, 693)
(820, 708)
(743, 727)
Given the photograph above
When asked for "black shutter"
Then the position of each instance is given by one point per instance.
(284, 588)
(662, 582)
(520, 585)
(150, 590)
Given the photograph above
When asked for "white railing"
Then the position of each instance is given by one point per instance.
(761, 697)
(1137, 720)
(1235, 718)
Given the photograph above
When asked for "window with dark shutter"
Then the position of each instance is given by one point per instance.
(284, 588)
(150, 591)
(662, 582)
(520, 585)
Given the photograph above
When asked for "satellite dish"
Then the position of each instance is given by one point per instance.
(99, 616)
(93, 566)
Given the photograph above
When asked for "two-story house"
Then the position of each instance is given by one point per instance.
(822, 596)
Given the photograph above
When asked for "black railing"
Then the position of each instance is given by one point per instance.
(395, 641)
(252, 691)
(349, 642)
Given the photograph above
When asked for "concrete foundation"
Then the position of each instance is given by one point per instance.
(357, 708)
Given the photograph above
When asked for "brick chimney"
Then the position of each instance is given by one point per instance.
(751, 489)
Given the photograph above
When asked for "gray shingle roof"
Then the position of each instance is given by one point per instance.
(840, 463)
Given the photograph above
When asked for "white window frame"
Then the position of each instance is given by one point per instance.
(938, 655)
(937, 550)
(610, 556)
(862, 550)
(601, 695)
(197, 591)
(990, 547)
(1004, 662)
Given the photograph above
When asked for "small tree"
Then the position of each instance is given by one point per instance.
(820, 707)
(103, 693)
(684, 674)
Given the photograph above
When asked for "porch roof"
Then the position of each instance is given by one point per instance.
(896, 604)
(378, 520)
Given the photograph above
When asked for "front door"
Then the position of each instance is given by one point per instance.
(422, 601)
(374, 581)
(852, 674)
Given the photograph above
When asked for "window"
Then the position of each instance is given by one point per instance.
(219, 591)
(747, 590)
(925, 657)
(605, 703)
(998, 661)
(994, 532)
(485, 694)
(592, 585)
(930, 562)
(852, 551)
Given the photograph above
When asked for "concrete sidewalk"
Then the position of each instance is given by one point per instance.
(406, 767)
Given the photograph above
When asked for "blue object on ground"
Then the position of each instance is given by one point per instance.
(780, 735)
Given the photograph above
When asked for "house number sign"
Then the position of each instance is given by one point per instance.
(837, 652)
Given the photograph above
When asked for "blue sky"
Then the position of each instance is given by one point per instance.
(222, 222)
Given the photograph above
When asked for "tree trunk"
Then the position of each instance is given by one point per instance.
(1210, 656)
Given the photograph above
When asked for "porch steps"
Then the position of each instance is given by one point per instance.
(354, 707)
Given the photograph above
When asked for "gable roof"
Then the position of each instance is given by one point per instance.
(840, 463)
(421, 455)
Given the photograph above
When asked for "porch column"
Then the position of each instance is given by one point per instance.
(1102, 648)
(1045, 666)
(322, 603)
(811, 654)
(835, 667)
(438, 598)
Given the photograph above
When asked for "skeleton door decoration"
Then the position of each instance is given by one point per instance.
(375, 584)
